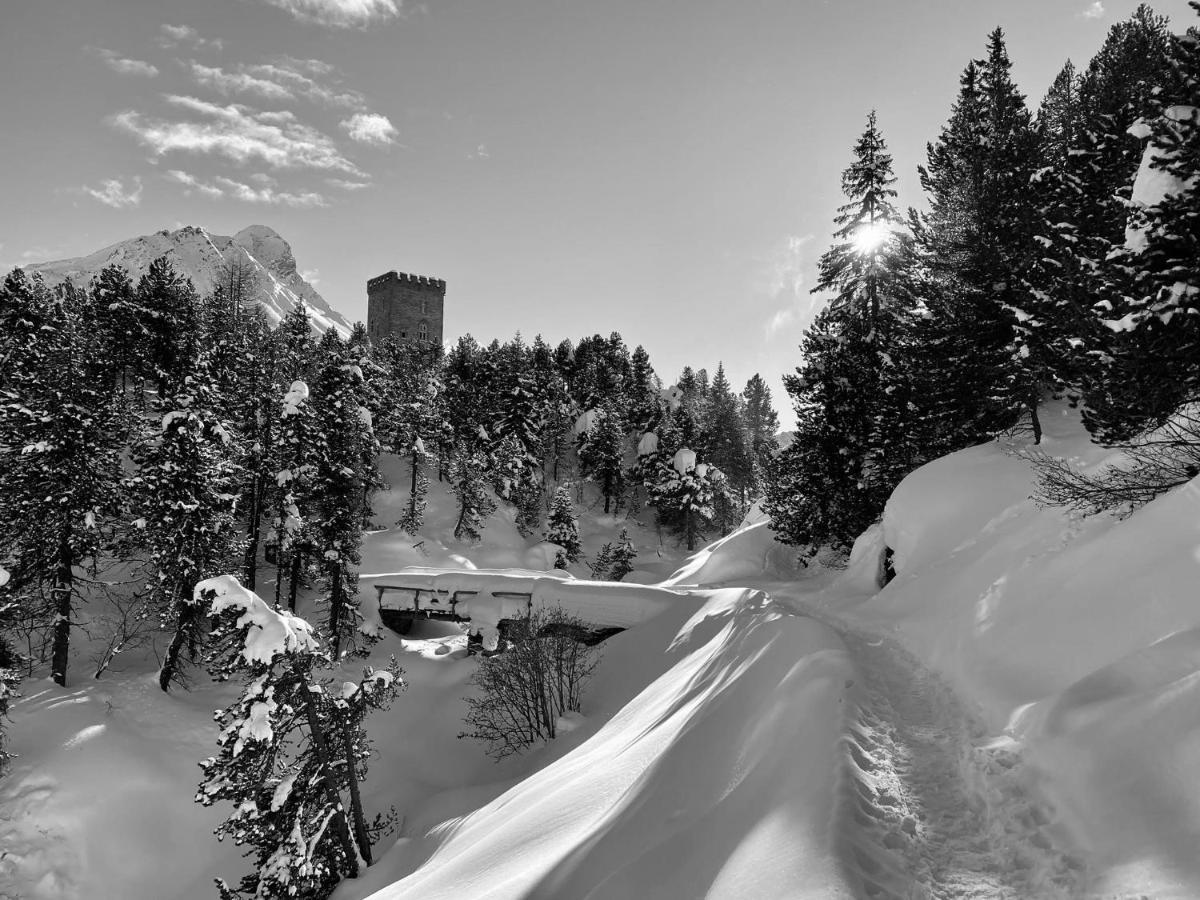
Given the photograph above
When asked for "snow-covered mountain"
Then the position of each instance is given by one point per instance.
(199, 255)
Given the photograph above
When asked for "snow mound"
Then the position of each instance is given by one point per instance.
(713, 779)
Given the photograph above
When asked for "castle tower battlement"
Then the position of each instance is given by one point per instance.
(405, 307)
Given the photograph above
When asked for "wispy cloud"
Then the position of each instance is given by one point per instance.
(263, 192)
(123, 65)
(345, 185)
(175, 35)
(283, 79)
(227, 83)
(1094, 10)
(480, 152)
(340, 13)
(370, 128)
(113, 193)
(192, 183)
(782, 279)
(237, 133)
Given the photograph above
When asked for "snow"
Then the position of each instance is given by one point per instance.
(198, 255)
(1013, 715)
(272, 632)
(295, 398)
(684, 460)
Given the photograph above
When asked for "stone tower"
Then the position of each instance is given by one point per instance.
(405, 307)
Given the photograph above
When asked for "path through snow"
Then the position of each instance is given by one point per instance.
(930, 808)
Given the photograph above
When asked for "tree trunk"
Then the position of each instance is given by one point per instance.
(1035, 421)
(324, 766)
(185, 624)
(251, 560)
(361, 835)
(337, 601)
(294, 577)
(412, 489)
(691, 529)
(63, 583)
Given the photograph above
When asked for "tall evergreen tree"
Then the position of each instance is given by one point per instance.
(60, 440)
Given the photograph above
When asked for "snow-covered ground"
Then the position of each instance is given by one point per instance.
(1015, 715)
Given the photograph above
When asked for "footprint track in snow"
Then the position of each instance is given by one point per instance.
(926, 810)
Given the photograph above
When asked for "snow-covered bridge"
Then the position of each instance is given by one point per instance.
(487, 598)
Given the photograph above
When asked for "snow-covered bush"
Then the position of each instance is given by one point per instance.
(526, 690)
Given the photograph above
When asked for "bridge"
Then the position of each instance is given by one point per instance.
(490, 598)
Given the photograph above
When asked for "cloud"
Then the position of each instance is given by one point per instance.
(283, 79)
(191, 183)
(113, 193)
(781, 277)
(1094, 10)
(312, 276)
(265, 193)
(227, 83)
(174, 35)
(269, 196)
(237, 133)
(370, 128)
(340, 13)
(480, 152)
(124, 66)
(347, 185)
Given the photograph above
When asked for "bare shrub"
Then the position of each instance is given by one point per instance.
(526, 689)
(1152, 464)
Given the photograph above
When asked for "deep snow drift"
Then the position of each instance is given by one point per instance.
(1015, 715)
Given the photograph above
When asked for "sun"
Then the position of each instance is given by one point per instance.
(869, 237)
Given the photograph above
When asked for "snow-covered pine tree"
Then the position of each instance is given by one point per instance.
(184, 495)
(623, 555)
(683, 493)
(291, 493)
(467, 469)
(60, 440)
(292, 751)
(345, 442)
(172, 322)
(1084, 199)
(825, 488)
(562, 527)
(602, 454)
(1154, 363)
(729, 452)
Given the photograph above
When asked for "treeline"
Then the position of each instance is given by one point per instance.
(1031, 274)
(152, 438)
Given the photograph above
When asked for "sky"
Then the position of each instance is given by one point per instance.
(666, 169)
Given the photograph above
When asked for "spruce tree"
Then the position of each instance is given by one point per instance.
(467, 470)
(60, 443)
(602, 452)
(562, 527)
(184, 493)
(346, 442)
(292, 752)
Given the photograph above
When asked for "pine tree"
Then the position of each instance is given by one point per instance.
(602, 452)
(826, 487)
(468, 479)
(623, 556)
(562, 527)
(346, 441)
(60, 439)
(1154, 362)
(291, 751)
(185, 495)
(729, 452)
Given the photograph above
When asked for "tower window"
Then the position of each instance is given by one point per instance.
(424, 305)
(423, 329)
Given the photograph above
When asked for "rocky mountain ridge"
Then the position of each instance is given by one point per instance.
(199, 255)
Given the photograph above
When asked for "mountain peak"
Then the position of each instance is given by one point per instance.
(199, 255)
